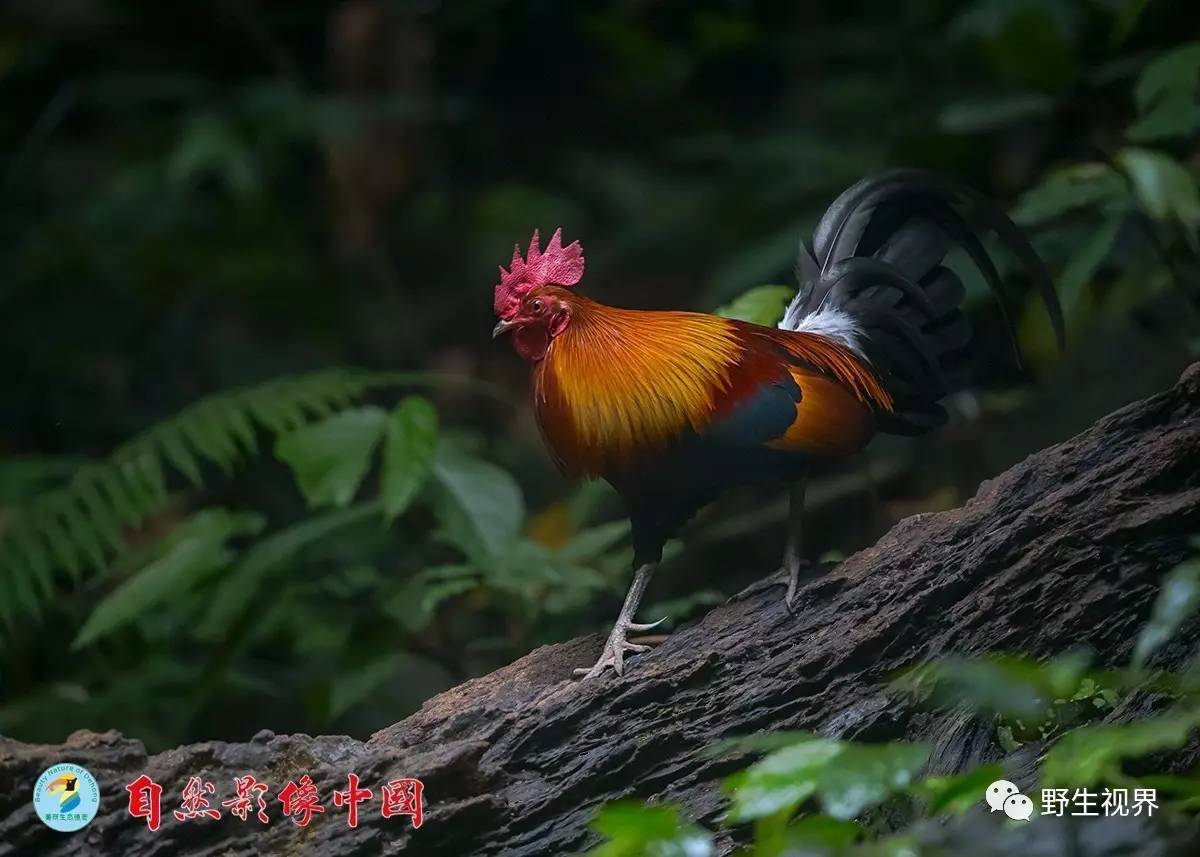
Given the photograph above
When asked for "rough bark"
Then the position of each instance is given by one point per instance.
(1067, 548)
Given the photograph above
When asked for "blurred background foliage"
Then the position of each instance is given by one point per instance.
(207, 527)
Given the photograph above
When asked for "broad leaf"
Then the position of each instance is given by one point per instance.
(413, 605)
(959, 793)
(210, 146)
(1080, 186)
(1184, 791)
(1167, 96)
(1178, 599)
(1015, 687)
(352, 684)
(1164, 186)
(781, 781)
(867, 774)
(636, 830)
(595, 541)
(1087, 260)
(407, 453)
(761, 305)
(478, 504)
(978, 115)
(1176, 115)
(195, 550)
(238, 588)
(823, 830)
(1092, 755)
(759, 742)
(331, 457)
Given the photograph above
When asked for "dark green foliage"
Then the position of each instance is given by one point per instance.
(77, 527)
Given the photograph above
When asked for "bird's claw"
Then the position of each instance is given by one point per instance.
(793, 585)
(615, 649)
(789, 597)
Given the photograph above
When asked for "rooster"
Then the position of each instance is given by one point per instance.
(672, 408)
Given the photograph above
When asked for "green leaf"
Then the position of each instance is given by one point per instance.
(1166, 96)
(1080, 186)
(23, 477)
(1176, 70)
(331, 457)
(759, 742)
(867, 774)
(179, 453)
(761, 305)
(958, 793)
(1015, 687)
(1163, 185)
(407, 453)
(209, 146)
(61, 543)
(636, 830)
(414, 604)
(1177, 600)
(478, 504)
(83, 535)
(37, 560)
(102, 516)
(823, 830)
(1175, 116)
(193, 551)
(118, 494)
(142, 476)
(203, 428)
(1091, 755)
(20, 576)
(594, 542)
(1086, 260)
(781, 781)
(233, 421)
(354, 683)
(978, 115)
(235, 595)
(1184, 791)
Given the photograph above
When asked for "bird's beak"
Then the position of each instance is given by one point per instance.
(502, 327)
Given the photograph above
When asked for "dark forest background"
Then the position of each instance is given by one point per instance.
(261, 465)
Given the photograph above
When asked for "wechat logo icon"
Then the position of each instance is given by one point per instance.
(1003, 796)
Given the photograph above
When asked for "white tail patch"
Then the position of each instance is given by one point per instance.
(830, 322)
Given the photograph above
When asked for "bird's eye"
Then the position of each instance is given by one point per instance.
(536, 306)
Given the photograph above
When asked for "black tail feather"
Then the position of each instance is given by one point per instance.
(877, 256)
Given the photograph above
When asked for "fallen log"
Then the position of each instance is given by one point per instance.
(1066, 548)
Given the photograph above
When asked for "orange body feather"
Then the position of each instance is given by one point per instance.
(618, 385)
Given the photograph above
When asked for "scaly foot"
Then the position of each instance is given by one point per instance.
(616, 647)
(800, 568)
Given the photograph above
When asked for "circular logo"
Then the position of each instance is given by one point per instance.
(66, 797)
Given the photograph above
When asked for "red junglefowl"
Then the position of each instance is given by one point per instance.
(672, 408)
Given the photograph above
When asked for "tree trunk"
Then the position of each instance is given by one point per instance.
(1065, 549)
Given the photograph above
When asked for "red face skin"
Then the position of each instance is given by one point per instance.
(541, 316)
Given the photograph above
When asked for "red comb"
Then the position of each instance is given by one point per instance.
(558, 265)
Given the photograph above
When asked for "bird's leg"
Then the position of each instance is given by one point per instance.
(792, 560)
(616, 647)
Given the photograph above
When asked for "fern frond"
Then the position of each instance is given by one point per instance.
(80, 526)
